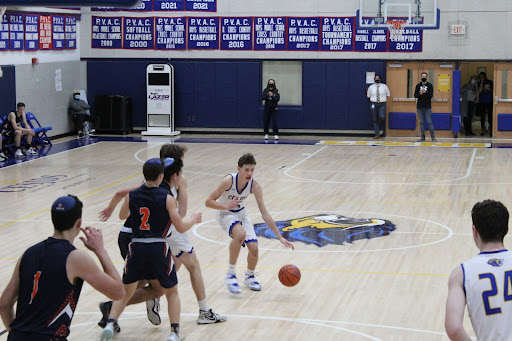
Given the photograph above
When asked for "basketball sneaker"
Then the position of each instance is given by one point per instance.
(266, 137)
(251, 282)
(153, 309)
(31, 151)
(276, 137)
(175, 337)
(109, 330)
(2, 156)
(18, 153)
(232, 284)
(208, 316)
(105, 308)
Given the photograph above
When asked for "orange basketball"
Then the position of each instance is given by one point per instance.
(289, 275)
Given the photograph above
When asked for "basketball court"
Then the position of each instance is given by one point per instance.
(377, 230)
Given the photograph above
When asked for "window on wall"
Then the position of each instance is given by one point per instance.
(288, 77)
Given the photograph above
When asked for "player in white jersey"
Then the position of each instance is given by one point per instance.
(228, 198)
(484, 282)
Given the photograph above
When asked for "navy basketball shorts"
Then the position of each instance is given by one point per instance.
(146, 261)
(15, 335)
(123, 241)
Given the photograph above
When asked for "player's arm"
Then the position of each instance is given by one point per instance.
(182, 197)
(455, 305)
(29, 130)
(181, 225)
(116, 199)
(9, 297)
(81, 265)
(211, 201)
(258, 194)
(124, 212)
(12, 118)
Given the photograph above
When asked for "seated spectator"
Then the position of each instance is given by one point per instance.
(15, 127)
(79, 110)
(2, 155)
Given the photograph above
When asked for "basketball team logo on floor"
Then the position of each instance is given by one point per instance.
(326, 229)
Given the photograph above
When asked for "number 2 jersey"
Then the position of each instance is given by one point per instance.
(148, 212)
(488, 288)
(46, 299)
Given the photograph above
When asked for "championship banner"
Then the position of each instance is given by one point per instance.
(58, 32)
(236, 33)
(337, 34)
(170, 33)
(106, 32)
(201, 5)
(145, 5)
(45, 32)
(270, 33)
(138, 33)
(371, 40)
(303, 34)
(70, 30)
(106, 9)
(31, 32)
(4, 32)
(168, 5)
(16, 31)
(411, 40)
(203, 33)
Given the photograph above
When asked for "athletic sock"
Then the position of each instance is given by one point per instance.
(231, 268)
(175, 327)
(203, 305)
(249, 272)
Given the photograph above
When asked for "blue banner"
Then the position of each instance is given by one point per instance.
(168, 5)
(58, 32)
(203, 33)
(270, 33)
(337, 34)
(106, 32)
(138, 33)
(145, 5)
(17, 31)
(4, 32)
(236, 34)
(201, 5)
(371, 40)
(303, 34)
(70, 29)
(31, 32)
(170, 33)
(411, 40)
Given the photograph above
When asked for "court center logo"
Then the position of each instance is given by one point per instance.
(325, 229)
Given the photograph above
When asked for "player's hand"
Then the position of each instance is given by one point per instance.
(232, 204)
(286, 243)
(196, 217)
(93, 238)
(31, 132)
(105, 214)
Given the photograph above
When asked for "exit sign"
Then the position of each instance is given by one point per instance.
(458, 29)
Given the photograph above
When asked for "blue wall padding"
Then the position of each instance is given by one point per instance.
(402, 120)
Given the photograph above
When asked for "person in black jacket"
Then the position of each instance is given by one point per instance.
(424, 93)
(271, 97)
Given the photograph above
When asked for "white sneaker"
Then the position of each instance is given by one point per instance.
(276, 137)
(266, 137)
(207, 317)
(18, 153)
(31, 151)
(153, 309)
(175, 337)
(2, 156)
(252, 283)
(232, 284)
(108, 332)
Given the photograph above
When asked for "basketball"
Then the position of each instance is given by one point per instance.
(289, 275)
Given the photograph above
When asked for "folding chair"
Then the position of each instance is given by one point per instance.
(40, 131)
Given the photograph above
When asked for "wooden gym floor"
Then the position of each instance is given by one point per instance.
(386, 280)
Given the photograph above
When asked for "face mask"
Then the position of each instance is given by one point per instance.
(76, 97)
(271, 85)
(423, 79)
(473, 81)
(377, 81)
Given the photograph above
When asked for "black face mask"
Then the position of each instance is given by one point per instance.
(377, 81)
(271, 86)
(423, 79)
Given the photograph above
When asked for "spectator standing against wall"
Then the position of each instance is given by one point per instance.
(484, 107)
(424, 92)
(79, 110)
(271, 97)
(378, 94)
(467, 105)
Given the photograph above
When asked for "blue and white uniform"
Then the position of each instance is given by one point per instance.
(46, 299)
(488, 288)
(229, 218)
(178, 242)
